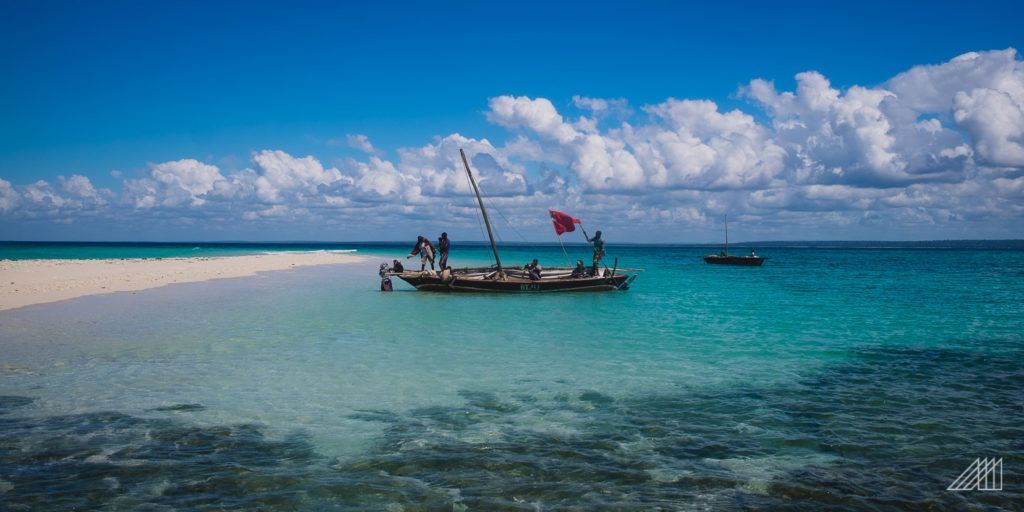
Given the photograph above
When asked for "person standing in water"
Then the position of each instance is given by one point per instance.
(426, 252)
(385, 279)
(598, 248)
(443, 244)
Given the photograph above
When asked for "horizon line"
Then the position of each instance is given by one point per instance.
(485, 242)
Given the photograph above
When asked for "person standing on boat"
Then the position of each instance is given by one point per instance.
(443, 244)
(426, 252)
(598, 248)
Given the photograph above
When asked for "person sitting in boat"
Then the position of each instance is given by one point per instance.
(753, 254)
(580, 270)
(533, 269)
(397, 267)
(598, 249)
(426, 252)
(443, 244)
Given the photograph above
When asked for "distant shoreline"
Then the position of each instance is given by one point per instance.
(315, 245)
(40, 281)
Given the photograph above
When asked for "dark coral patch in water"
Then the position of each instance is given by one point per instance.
(888, 429)
(596, 398)
(9, 403)
(487, 401)
(179, 408)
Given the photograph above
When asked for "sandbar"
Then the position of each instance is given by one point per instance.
(27, 282)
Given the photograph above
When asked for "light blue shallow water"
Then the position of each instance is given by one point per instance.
(845, 378)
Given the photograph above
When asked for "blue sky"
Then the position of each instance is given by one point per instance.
(93, 88)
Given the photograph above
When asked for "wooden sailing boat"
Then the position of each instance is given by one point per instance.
(498, 278)
(725, 259)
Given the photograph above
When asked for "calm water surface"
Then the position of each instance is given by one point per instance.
(827, 379)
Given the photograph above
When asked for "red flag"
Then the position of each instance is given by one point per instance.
(564, 223)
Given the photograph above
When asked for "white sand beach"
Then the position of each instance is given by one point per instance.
(27, 282)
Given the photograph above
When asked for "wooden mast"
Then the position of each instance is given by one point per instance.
(727, 234)
(487, 220)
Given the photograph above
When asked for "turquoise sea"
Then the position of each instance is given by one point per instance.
(832, 378)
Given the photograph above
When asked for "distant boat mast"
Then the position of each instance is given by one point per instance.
(727, 233)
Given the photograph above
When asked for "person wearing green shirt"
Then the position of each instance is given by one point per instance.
(598, 248)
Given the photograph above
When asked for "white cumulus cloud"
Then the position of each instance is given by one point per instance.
(935, 146)
(282, 176)
(9, 198)
(360, 142)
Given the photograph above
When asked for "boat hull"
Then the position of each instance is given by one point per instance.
(433, 283)
(743, 261)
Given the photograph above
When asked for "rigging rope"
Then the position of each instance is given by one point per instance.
(567, 260)
(521, 237)
(477, 213)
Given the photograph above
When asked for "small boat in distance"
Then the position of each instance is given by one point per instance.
(498, 278)
(723, 258)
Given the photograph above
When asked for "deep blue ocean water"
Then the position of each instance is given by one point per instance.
(830, 378)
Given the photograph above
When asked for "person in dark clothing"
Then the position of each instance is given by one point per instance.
(598, 249)
(580, 270)
(385, 279)
(443, 244)
(533, 270)
(426, 252)
(397, 267)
